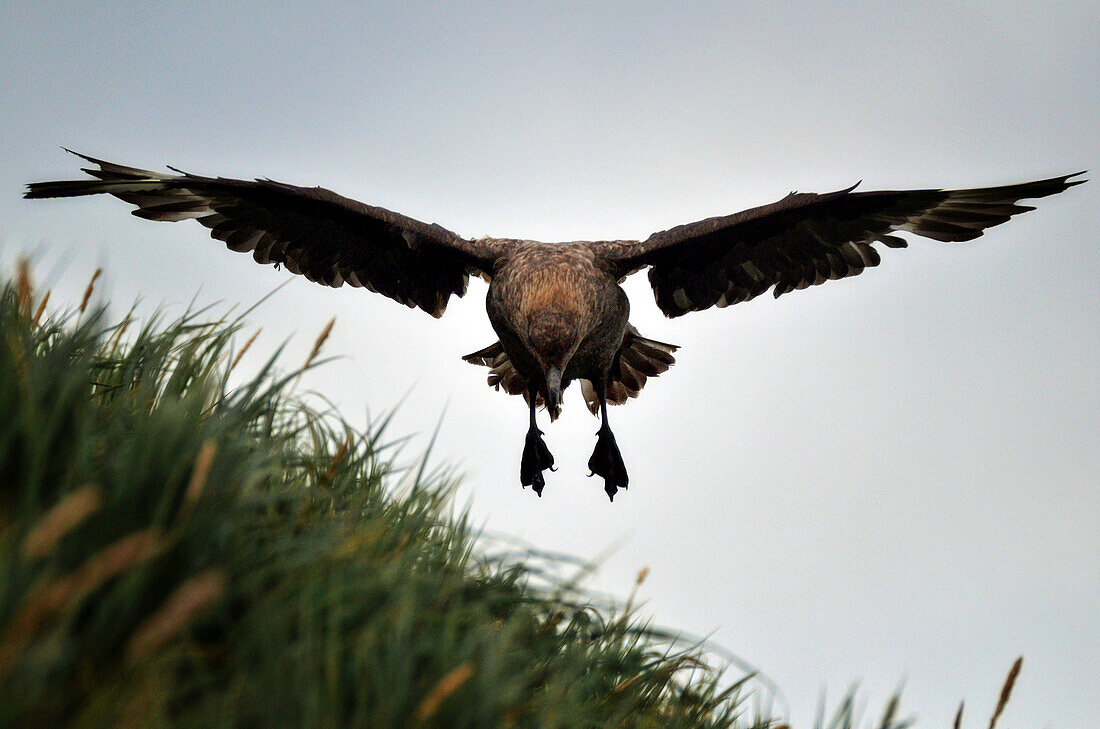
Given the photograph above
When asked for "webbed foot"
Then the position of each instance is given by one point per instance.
(536, 459)
(607, 462)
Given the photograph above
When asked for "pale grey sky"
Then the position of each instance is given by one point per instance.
(892, 476)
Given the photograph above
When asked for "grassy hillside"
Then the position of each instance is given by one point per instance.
(174, 553)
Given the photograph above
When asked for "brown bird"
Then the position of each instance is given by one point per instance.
(557, 307)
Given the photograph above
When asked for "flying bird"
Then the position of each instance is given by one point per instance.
(557, 308)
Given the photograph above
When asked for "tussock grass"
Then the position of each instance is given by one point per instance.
(176, 553)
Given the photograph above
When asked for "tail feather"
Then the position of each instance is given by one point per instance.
(502, 374)
(638, 360)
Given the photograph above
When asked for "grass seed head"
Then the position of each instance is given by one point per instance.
(446, 686)
(89, 289)
(40, 310)
(320, 341)
(177, 612)
(1006, 691)
(244, 349)
(60, 520)
(23, 292)
(200, 471)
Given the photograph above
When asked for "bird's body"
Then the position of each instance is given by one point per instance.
(557, 308)
(553, 305)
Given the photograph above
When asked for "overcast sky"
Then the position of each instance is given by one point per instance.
(894, 476)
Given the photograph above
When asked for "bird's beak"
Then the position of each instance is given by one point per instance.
(553, 388)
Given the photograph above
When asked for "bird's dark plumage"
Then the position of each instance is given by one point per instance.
(806, 239)
(312, 231)
(557, 307)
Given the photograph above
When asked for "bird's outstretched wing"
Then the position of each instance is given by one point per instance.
(806, 239)
(325, 237)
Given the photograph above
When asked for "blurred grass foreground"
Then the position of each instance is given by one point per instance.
(176, 552)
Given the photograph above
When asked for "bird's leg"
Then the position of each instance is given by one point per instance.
(536, 456)
(606, 461)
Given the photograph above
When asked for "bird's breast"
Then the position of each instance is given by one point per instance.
(542, 280)
(551, 303)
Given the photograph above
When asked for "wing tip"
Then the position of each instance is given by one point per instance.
(84, 157)
(43, 190)
(1054, 185)
(1069, 182)
(1051, 186)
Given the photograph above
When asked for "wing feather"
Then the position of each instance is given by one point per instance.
(806, 239)
(311, 231)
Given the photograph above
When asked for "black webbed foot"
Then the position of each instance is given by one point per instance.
(607, 462)
(536, 459)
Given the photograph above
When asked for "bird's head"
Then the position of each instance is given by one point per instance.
(553, 339)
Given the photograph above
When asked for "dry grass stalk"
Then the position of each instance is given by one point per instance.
(320, 341)
(51, 599)
(683, 662)
(109, 562)
(115, 340)
(24, 288)
(642, 574)
(188, 600)
(200, 471)
(88, 291)
(446, 686)
(244, 349)
(341, 454)
(1006, 692)
(40, 310)
(60, 520)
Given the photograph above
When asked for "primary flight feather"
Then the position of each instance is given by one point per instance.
(558, 308)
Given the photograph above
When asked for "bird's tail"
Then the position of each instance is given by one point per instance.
(638, 360)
